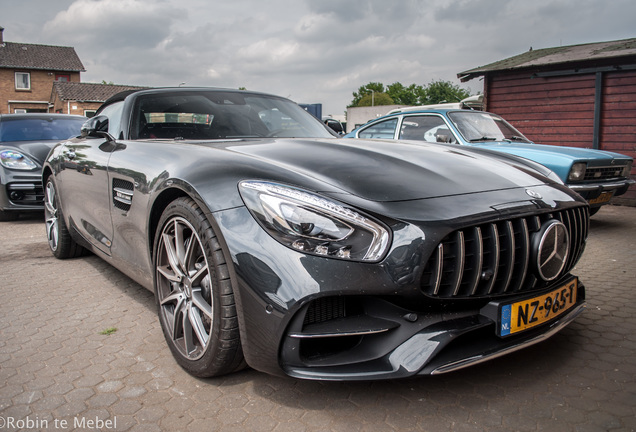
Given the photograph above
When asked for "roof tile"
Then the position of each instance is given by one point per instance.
(43, 57)
(88, 92)
(557, 56)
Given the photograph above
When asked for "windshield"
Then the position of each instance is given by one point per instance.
(481, 126)
(39, 129)
(221, 115)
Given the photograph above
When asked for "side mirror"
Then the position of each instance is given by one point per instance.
(443, 139)
(335, 125)
(96, 127)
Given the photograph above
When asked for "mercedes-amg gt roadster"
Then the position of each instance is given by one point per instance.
(271, 242)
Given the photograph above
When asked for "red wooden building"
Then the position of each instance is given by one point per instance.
(579, 96)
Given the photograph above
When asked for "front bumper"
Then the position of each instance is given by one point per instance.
(21, 191)
(592, 192)
(410, 344)
(327, 319)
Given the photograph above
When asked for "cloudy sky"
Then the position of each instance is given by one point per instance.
(312, 51)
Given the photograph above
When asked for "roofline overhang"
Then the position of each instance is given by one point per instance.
(27, 102)
(532, 70)
(28, 68)
(81, 101)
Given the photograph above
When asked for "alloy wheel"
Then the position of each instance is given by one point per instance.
(51, 216)
(184, 288)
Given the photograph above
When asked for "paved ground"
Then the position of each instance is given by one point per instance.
(57, 372)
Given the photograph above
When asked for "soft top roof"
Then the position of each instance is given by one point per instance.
(158, 90)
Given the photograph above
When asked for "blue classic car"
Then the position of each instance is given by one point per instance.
(596, 175)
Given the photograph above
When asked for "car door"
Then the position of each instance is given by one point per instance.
(133, 173)
(86, 185)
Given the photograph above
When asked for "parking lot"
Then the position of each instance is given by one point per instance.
(81, 349)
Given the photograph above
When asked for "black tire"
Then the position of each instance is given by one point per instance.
(194, 294)
(60, 241)
(6, 216)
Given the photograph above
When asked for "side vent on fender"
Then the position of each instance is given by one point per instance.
(122, 194)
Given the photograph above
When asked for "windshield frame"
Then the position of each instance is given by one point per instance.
(229, 115)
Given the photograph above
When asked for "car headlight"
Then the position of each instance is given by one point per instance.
(577, 172)
(627, 171)
(314, 224)
(14, 159)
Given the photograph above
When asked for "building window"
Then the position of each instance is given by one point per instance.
(22, 81)
(62, 77)
(89, 113)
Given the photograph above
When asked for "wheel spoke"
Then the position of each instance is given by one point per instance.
(201, 304)
(51, 232)
(177, 317)
(166, 271)
(198, 276)
(198, 327)
(172, 306)
(50, 199)
(171, 254)
(188, 341)
(188, 252)
(176, 297)
(50, 209)
(180, 245)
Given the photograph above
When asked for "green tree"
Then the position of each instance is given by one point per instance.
(411, 95)
(375, 99)
(368, 89)
(444, 91)
(374, 93)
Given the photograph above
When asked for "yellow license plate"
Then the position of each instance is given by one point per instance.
(602, 198)
(526, 314)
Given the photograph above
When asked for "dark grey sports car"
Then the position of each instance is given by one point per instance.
(25, 140)
(270, 242)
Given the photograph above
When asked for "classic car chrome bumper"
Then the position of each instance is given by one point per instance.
(602, 187)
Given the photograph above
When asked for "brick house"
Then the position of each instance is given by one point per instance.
(82, 98)
(578, 96)
(28, 71)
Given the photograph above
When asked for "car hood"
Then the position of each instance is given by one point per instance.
(549, 154)
(37, 150)
(388, 170)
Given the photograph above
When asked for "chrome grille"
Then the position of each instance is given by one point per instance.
(495, 258)
(603, 173)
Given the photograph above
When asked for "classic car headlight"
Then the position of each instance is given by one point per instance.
(627, 171)
(577, 172)
(14, 159)
(313, 224)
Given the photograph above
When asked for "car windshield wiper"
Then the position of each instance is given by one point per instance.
(484, 138)
(516, 138)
